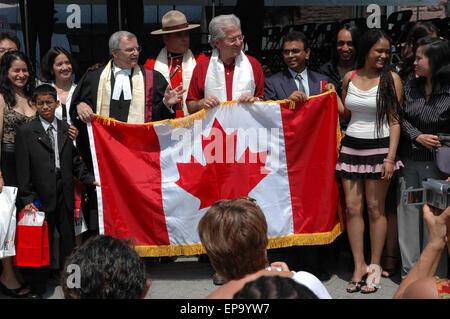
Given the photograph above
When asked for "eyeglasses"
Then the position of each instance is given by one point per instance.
(293, 51)
(4, 50)
(237, 38)
(130, 50)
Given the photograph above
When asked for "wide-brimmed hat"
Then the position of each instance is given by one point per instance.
(174, 21)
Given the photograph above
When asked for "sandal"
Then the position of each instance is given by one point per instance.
(373, 279)
(357, 284)
(389, 272)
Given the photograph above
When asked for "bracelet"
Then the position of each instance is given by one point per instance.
(386, 160)
(390, 158)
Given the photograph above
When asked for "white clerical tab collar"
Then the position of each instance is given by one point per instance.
(122, 83)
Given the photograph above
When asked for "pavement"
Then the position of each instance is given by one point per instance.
(186, 278)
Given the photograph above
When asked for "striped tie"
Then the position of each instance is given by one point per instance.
(301, 88)
(51, 136)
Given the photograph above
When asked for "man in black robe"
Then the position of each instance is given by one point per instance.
(124, 91)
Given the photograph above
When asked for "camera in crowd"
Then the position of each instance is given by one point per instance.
(435, 193)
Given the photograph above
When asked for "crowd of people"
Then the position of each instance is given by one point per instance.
(390, 117)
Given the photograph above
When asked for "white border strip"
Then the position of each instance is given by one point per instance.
(101, 226)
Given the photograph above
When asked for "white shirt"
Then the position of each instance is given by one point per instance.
(304, 75)
(46, 124)
(363, 105)
(58, 111)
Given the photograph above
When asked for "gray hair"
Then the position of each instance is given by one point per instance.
(219, 24)
(114, 39)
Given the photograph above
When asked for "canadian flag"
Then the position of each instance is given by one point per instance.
(158, 179)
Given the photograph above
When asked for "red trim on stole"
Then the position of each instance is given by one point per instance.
(148, 94)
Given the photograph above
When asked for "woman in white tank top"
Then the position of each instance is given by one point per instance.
(367, 160)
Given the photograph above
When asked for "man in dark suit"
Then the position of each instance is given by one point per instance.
(296, 82)
(122, 90)
(47, 161)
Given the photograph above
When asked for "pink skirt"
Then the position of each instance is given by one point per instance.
(363, 158)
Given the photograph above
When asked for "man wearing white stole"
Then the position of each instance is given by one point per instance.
(122, 90)
(228, 74)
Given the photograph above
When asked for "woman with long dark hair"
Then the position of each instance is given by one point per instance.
(57, 67)
(426, 113)
(17, 82)
(406, 71)
(371, 97)
(419, 30)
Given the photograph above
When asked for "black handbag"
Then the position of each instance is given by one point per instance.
(443, 154)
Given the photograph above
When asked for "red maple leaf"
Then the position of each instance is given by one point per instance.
(222, 177)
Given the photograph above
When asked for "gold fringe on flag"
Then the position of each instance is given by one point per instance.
(306, 239)
(275, 242)
(170, 250)
(338, 135)
(188, 121)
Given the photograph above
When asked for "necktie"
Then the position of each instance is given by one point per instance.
(64, 112)
(51, 136)
(299, 77)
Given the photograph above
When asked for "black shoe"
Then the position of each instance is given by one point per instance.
(37, 291)
(218, 280)
(14, 293)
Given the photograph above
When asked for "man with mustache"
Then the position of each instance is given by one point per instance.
(343, 57)
(122, 90)
(121, 84)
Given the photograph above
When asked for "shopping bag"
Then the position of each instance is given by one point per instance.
(32, 247)
(7, 221)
